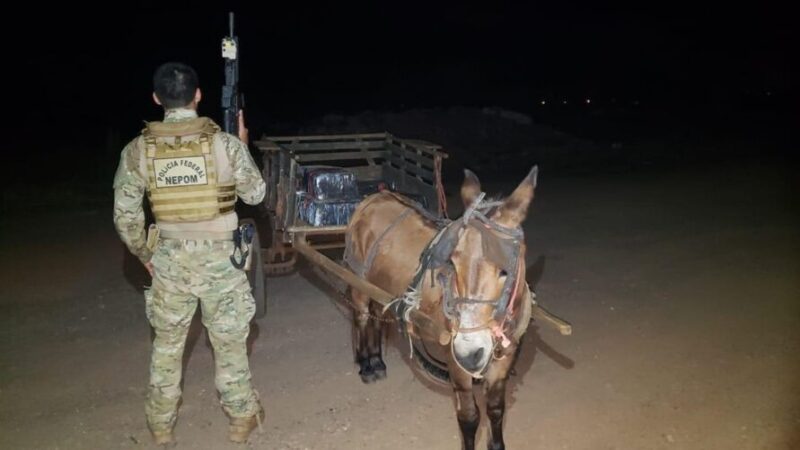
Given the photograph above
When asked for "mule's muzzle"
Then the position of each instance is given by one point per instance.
(472, 351)
(473, 361)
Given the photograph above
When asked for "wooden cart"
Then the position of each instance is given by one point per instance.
(378, 160)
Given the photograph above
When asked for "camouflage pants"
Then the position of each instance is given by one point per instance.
(185, 271)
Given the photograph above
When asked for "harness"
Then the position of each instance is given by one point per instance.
(362, 268)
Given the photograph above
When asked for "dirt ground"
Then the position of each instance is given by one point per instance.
(683, 288)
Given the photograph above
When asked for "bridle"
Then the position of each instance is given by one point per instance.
(501, 245)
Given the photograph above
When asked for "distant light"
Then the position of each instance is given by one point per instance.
(543, 102)
(564, 102)
(769, 93)
(588, 101)
(636, 102)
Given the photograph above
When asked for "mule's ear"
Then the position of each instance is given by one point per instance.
(515, 208)
(471, 188)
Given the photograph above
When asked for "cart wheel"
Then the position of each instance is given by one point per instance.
(279, 258)
(278, 265)
(255, 274)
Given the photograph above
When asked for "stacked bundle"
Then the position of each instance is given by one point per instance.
(330, 196)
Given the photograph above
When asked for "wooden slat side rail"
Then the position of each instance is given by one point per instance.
(415, 145)
(266, 145)
(326, 137)
(370, 161)
(345, 141)
(339, 156)
(367, 173)
(296, 146)
(421, 143)
(403, 166)
(331, 146)
(425, 159)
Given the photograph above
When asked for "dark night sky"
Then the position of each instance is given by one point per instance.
(82, 74)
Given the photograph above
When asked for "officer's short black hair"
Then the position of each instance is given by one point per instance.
(175, 84)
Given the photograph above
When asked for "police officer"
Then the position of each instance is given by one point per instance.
(192, 173)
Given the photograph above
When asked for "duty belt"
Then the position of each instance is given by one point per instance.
(198, 235)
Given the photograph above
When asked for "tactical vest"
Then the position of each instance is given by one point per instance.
(182, 178)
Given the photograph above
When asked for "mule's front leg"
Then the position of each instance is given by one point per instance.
(361, 335)
(466, 408)
(495, 409)
(375, 342)
(495, 394)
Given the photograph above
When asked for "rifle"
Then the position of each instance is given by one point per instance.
(232, 98)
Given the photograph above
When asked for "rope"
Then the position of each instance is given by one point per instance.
(373, 250)
(437, 170)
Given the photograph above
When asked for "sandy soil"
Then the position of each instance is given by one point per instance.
(683, 288)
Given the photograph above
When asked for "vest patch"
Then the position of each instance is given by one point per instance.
(184, 171)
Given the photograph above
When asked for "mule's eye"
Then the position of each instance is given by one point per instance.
(503, 273)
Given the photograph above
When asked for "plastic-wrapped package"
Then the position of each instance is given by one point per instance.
(320, 213)
(331, 183)
(329, 212)
(300, 200)
(329, 197)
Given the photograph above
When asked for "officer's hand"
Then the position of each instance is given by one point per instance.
(149, 266)
(243, 133)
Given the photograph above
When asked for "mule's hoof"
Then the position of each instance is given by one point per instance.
(366, 373)
(368, 376)
(377, 365)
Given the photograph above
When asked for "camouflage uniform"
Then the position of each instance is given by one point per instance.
(188, 270)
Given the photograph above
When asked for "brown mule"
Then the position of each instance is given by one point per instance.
(468, 275)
